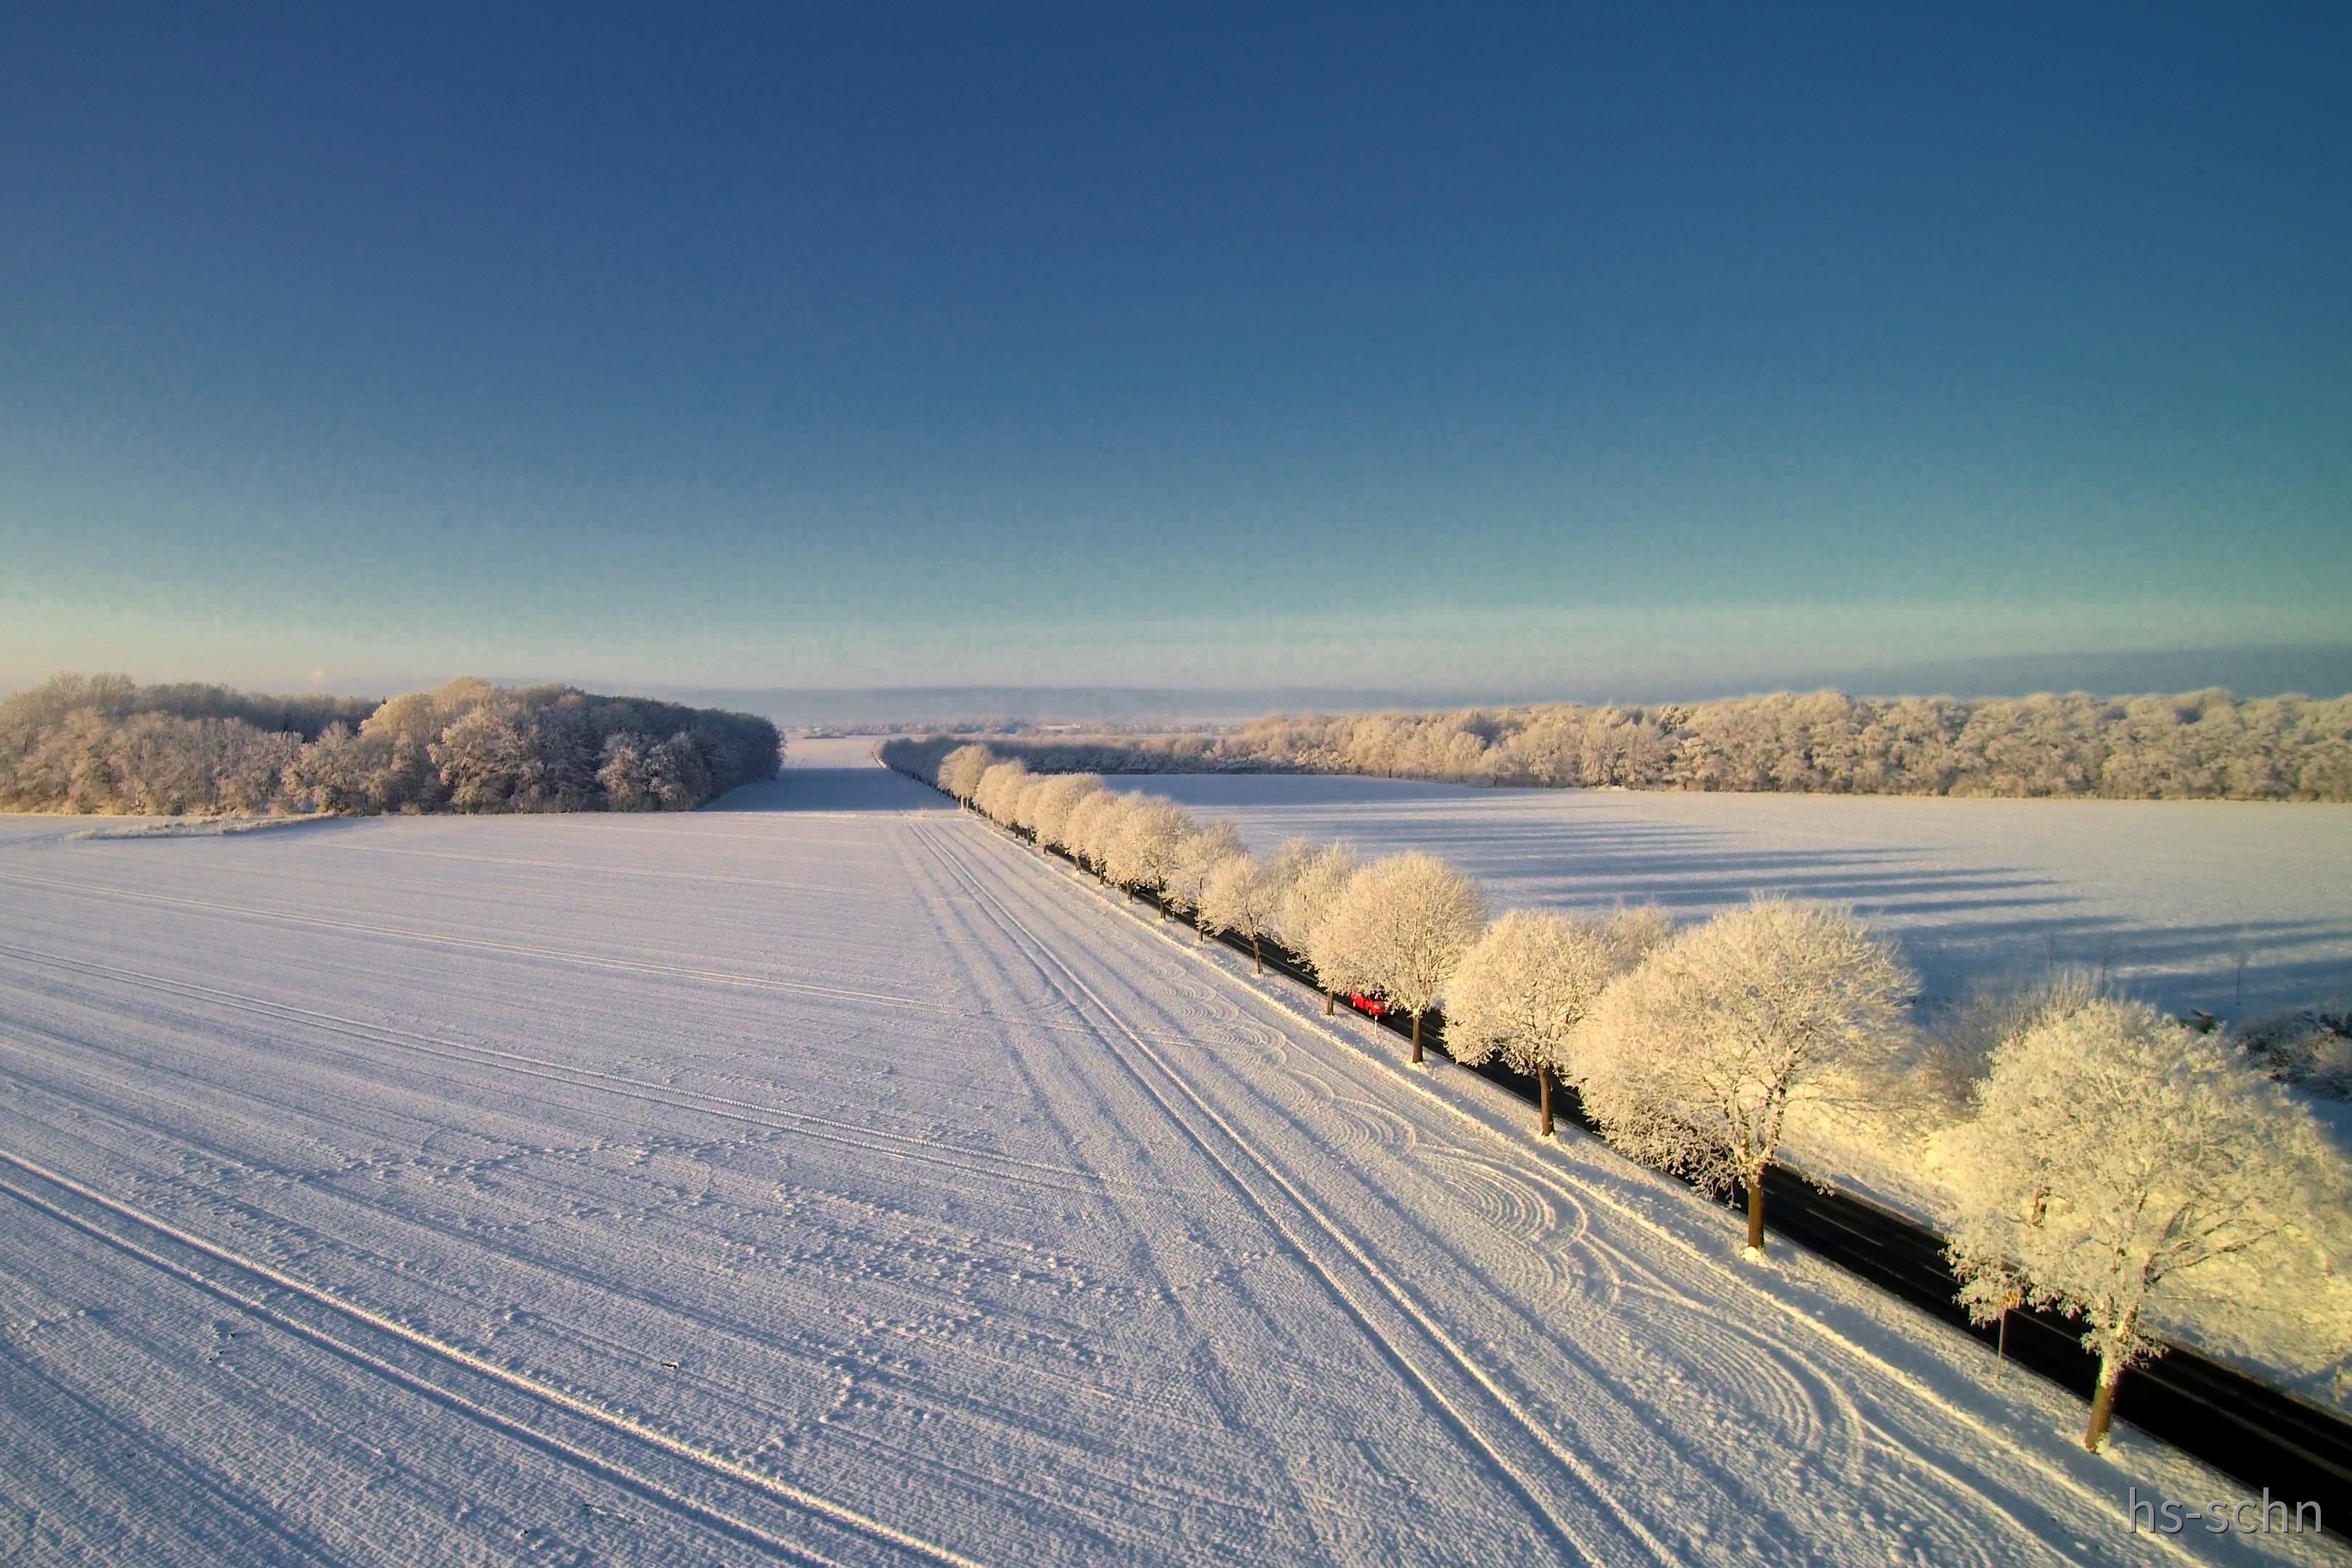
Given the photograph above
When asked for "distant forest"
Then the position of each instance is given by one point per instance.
(2204, 745)
(102, 743)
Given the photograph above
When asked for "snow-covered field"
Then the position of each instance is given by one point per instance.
(2165, 895)
(829, 1179)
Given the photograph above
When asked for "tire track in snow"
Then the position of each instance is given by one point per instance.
(1207, 1365)
(730, 978)
(306, 1234)
(1624, 1399)
(1975, 1476)
(861, 1136)
(1560, 1529)
(715, 1465)
(503, 949)
(1970, 1476)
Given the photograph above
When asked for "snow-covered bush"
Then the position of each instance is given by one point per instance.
(1695, 1062)
(2116, 1161)
(1312, 879)
(2310, 1048)
(1401, 927)
(1199, 853)
(1527, 985)
(1242, 896)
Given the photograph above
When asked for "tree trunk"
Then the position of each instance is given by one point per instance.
(2103, 1401)
(1257, 955)
(1330, 1003)
(1755, 1211)
(1417, 1039)
(1543, 1097)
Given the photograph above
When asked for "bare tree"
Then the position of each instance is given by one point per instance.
(1402, 927)
(2114, 1161)
(1528, 984)
(1695, 1060)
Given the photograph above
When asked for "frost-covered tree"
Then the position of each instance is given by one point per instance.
(1961, 1037)
(1695, 1062)
(336, 772)
(677, 775)
(1021, 804)
(1198, 854)
(2115, 1161)
(1092, 820)
(487, 760)
(961, 770)
(1242, 897)
(1056, 798)
(624, 773)
(993, 793)
(1527, 985)
(1313, 880)
(1400, 928)
(1142, 851)
(108, 745)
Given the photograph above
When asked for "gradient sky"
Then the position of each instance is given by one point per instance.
(944, 344)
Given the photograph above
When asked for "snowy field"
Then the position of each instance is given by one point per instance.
(2165, 895)
(828, 1179)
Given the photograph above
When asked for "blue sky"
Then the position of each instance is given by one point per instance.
(1416, 349)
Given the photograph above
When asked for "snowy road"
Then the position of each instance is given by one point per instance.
(830, 1179)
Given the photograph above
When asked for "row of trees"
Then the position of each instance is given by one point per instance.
(104, 744)
(2101, 1158)
(2200, 745)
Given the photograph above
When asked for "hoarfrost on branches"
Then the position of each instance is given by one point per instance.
(1141, 852)
(2118, 1164)
(1198, 852)
(1242, 897)
(1695, 1062)
(1313, 880)
(1401, 927)
(1529, 981)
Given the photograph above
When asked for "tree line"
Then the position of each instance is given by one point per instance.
(2196, 746)
(103, 743)
(2089, 1154)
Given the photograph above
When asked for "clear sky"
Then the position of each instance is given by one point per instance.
(1442, 348)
